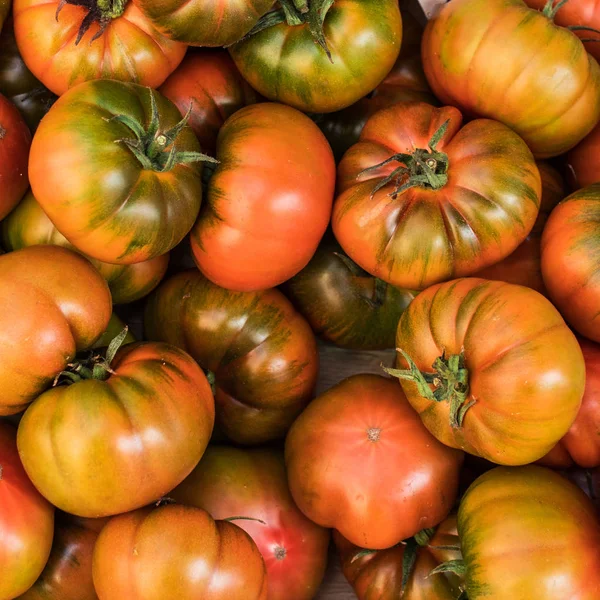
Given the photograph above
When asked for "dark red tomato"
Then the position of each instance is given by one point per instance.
(261, 352)
(66, 42)
(15, 140)
(205, 22)
(571, 258)
(253, 483)
(581, 445)
(208, 82)
(344, 304)
(285, 62)
(270, 196)
(529, 533)
(122, 434)
(18, 84)
(422, 199)
(26, 522)
(523, 266)
(176, 552)
(354, 441)
(583, 162)
(392, 574)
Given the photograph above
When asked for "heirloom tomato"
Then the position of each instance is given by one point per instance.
(176, 552)
(114, 328)
(119, 433)
(26, 522)
(122, 182)
(503, 60)
(492, 368)
(66, 42)
(323, 59)
(229, 481)
(361, 437)
(422, 199)
(208, 81)
(260, 351)
(53, 303)
(571, 259)
(529, 533)
(269, 199)
(583, 162)
(28, 225)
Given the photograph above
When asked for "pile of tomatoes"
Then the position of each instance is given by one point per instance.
(243, 177)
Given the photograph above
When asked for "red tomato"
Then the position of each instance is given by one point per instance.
(583, 162)
(26, 522)
(359, 460)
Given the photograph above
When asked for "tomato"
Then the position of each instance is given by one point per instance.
(503, 60)
(523, 267)
(260, 351)
(26, 522)
(583, 162)
(28, 225)
(413, 225)
(117, 439)
(177, 552)
(381, 575)
(209, 82)
(587, 480)
(117, 182)
(344, 304)
(529, 533)
(53, 303)
(114, 328)
(570, 260)
(18, 84)
(15, 140)
(253, 483)
(64, 43)
(507, 372)
(368, 418)
(285, 63)
(68, 573)
(270, 196)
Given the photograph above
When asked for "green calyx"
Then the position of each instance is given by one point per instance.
(425, 167)
(99, 11)
(156, 149)
(551, 9)
(450, 381)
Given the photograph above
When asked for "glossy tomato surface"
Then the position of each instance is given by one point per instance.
(521, 381)
(270, 196)
(261, 352)
(484, 202)
(26, 522)
(368, 418)
(583, 162)
(54, 303)
(253, 483)
(503, 60)
(177, 552)
(102, 447)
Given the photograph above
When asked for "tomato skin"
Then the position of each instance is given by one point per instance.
(284, 63)
(28, 225)
(129, 49)
(569, 260)
(508, 523)
(156, 554)
(26, 522)
(98, 448)
(527, 378)
(261, 351)
(54, 303)
(378, 576)
(424, 235)
(344, 304)
(502, 60)
(271, 195)
(583, 161)
(253, 483)
(15, 140)
(390, 450)
(99, 195)
(209, 81)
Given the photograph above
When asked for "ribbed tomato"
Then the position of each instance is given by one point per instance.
(583, 162)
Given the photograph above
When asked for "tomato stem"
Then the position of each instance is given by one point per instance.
(457, 567)
(230, 519)
(550, 9)
(99, 11)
